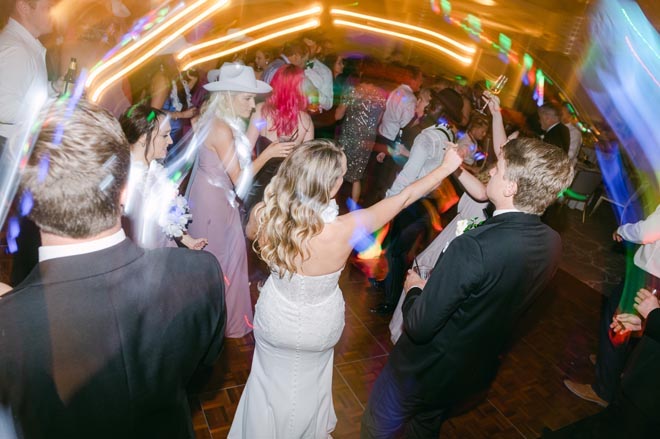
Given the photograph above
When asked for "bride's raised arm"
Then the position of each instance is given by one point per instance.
(376, 216)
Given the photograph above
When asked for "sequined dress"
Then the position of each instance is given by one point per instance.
(298, 320)
(365, 104)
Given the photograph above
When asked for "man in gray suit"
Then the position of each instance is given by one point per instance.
(102, 337)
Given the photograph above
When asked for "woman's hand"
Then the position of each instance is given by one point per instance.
(645, 302)
(624, 323)
(194, 243)
(616, 237)
(279, 149)
(188, 113)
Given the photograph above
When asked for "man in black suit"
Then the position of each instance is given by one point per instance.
(101, 339)
(457, 324)
(554, 132)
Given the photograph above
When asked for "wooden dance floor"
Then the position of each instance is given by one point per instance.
(526, 396)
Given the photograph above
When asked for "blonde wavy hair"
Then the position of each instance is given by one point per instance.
(293, 201)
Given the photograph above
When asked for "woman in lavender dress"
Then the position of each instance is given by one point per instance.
(224, 173)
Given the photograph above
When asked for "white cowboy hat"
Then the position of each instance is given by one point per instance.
(235, 77)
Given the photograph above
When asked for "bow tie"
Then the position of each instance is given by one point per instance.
(309, 65)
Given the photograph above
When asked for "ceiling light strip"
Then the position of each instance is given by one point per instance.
(457, 44)
(96, 93)
(313, 11)
(141, 42)
(307, 25)
(461, 58)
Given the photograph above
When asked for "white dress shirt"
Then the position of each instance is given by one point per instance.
(647, 233)
(321, 78)
(399, 111)
(576, 142)
(23, 75)
(426, 154)
(47, 252)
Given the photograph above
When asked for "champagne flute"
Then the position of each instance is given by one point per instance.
(495, 89)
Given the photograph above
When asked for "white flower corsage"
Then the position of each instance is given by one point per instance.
(176, 219)
(464, 225)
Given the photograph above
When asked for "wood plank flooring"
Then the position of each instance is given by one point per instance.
(526, 396)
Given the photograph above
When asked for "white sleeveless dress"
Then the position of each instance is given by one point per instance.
(297, 322)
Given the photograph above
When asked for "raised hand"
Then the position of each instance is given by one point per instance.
(453, 157)
(492, 101)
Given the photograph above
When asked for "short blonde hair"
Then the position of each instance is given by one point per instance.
(540, 170)
(77, 171)
(291, 214)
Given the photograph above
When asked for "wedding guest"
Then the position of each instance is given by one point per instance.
(223, 172)
(361, 109)
(476, 131)
(262, 57)
(634, 411)
(158, 214)
(281, 118)
(569, 120)
(554, 132)
(23, 89)
(399, 111)
(293, 52)
(612, 351)
(426, 153)
(320, 75)
(115, 332)
(457, 323)
(171, 93)
(300, 311)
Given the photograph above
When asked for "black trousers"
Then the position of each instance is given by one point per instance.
(612, 355)
(408, 228)
(393, 409)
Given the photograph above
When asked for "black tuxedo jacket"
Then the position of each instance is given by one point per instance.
(455, 329)
(558, 135)
(103, 344)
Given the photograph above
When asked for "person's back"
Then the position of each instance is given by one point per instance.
(106, 350)
(519, 255)
(102, 337)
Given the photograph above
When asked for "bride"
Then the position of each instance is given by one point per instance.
(299, 316)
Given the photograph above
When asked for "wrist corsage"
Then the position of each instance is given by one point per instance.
(467, 224)
(176, 219)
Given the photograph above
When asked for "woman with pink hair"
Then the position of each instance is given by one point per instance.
(281, 118)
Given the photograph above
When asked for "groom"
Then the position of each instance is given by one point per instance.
(458, 322)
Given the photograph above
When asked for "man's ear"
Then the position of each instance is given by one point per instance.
(510, 188)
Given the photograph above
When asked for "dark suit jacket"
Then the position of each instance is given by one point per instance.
(103, 344)
(558, 135)
(455, 329)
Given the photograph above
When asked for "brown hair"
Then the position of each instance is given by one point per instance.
(540, 170)
(77, 170)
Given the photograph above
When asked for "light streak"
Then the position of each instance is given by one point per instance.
(307, 25)
(457, 44)
(312, 11)
(460, 58)
(96, 94)
(639, 60)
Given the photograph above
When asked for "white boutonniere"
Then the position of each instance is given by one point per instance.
(463, 226)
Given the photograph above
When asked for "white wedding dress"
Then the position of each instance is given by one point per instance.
(297, 322)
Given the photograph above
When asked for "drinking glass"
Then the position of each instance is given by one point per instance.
(495, 89)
